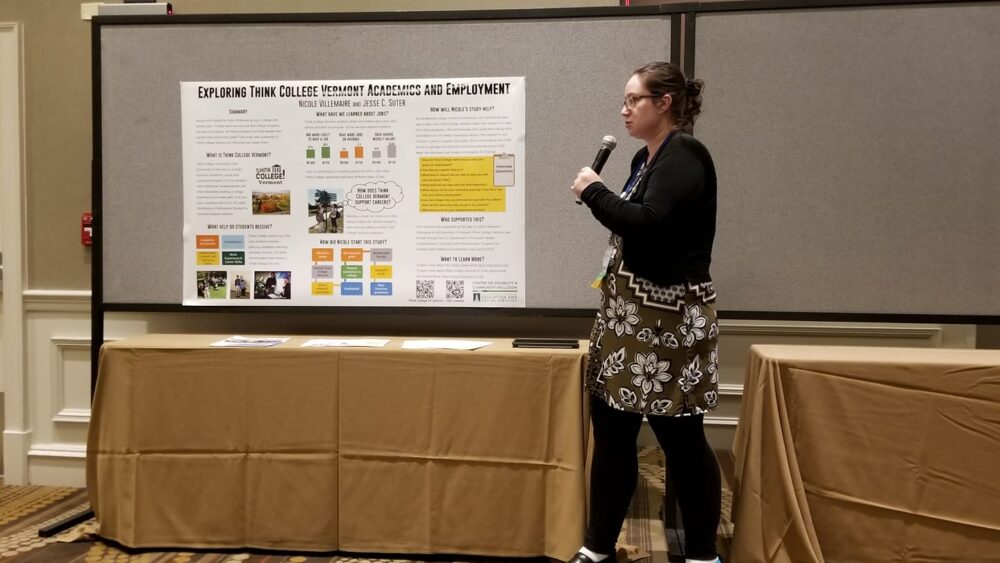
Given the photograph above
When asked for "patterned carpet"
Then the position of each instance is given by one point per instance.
(23, 510)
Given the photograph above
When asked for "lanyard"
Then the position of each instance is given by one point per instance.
(637, 175)
(634, 181)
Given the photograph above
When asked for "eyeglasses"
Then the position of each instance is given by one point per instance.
(631, 101)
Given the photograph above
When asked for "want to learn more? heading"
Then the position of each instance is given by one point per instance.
(349, 90)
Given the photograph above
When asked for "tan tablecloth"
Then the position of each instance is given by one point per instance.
(366, 450)
(868, 454)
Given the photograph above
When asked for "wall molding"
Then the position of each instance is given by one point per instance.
(728, 421)
(60, 412)
(730, 389)
(78, 416)
(59, 300)
(69, 300)
(830, 331)
(58, 450)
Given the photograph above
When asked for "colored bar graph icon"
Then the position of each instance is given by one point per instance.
(344, 154)
(359, 152)
(310, 152)
(391, 149)
(325, 149)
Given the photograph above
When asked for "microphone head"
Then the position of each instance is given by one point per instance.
(609, 142)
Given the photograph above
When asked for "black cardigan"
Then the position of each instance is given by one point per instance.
(668, 225)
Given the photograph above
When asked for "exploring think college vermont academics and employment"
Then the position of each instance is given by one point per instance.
(354, 193)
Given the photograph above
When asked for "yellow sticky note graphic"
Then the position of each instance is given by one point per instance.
(208, 259)
(459, 183)
(381, 272)
(322, 288)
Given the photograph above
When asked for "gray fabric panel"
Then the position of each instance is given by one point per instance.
(575, 71)
(858, 158)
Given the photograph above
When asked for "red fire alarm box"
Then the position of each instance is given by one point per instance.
(87, 229)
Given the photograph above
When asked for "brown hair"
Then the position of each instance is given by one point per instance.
(662, 78)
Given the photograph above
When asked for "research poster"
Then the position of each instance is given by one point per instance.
(354, 193)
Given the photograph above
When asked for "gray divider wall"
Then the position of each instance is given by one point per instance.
(575, 72)
(858, 160)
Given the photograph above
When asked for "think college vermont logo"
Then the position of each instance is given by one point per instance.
(270, 175)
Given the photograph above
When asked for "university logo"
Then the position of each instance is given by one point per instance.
(271, 175)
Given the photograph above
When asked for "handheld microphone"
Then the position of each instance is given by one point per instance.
(608, 144)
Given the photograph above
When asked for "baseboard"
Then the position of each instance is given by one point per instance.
(16, 444)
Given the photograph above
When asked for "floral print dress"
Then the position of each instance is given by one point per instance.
(654, 349)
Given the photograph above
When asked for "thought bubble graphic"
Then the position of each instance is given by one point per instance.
(374, 196)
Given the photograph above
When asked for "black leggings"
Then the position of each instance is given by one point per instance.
(691, 468)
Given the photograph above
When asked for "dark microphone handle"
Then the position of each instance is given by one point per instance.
(602, 157)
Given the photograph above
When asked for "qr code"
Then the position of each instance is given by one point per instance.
(425, 289)
(456, 290)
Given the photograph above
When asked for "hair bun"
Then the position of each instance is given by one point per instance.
(692, 102)
(694, 87)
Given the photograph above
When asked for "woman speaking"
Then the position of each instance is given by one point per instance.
(653, 348)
